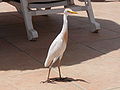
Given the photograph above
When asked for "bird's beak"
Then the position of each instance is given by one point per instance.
(73, 12)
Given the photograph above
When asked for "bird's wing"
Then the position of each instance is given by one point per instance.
(54, 51)
(56, 45)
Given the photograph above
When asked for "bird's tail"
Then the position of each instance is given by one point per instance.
(50, 61)
(47, 62)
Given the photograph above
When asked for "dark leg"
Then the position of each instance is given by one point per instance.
(49, 73)
(59, 68)
(48, 79)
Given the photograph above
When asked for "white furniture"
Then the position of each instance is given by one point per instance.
(25, 7)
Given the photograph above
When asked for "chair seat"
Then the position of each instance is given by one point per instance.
(16, 0)
(47, 1)
(40, 1)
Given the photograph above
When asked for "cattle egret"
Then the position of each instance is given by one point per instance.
(59, 44)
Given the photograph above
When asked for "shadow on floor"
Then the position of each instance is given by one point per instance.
(65, 79)
(17, 53)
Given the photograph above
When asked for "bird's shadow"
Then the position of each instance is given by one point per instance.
(63, 79)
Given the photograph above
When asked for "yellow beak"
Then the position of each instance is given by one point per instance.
(73, 12)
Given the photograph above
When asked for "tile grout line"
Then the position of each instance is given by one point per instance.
(99, 40)
(92, 48)
(112, 30)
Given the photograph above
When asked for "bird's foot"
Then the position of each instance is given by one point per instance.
(47, 81)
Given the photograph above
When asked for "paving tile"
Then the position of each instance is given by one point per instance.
(13, 61)
(106, 18)
(91, 58)
(23, 69)
(54, 22)
(114, 88)
(12, 30)
(7, 86)
(100, 71)
(7, 19)
(107, 7)
(37, 49)
(33, 81)
(117, 30)
(77, 53)
(105, 46)
(109, 24)
(83, 35)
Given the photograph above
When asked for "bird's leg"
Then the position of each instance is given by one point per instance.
(49, 73)
(59, 71)
(48, 79)
(59, 68)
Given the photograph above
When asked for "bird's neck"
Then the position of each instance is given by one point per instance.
(65, 24)
(64, 31)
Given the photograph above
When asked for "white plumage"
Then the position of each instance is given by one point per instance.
(58, 46)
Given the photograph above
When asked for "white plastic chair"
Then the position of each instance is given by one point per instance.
(25, 7)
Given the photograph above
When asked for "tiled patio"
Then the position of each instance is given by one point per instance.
(92, 58)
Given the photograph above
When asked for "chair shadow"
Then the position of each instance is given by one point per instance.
(77, 30)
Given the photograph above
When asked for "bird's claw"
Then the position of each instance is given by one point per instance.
(47, 81)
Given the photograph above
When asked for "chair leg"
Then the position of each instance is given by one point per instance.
(31, 33)
(91, 16)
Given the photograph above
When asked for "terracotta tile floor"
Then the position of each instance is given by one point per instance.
(94, 59)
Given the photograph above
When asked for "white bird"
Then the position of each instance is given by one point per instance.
(58, 46)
